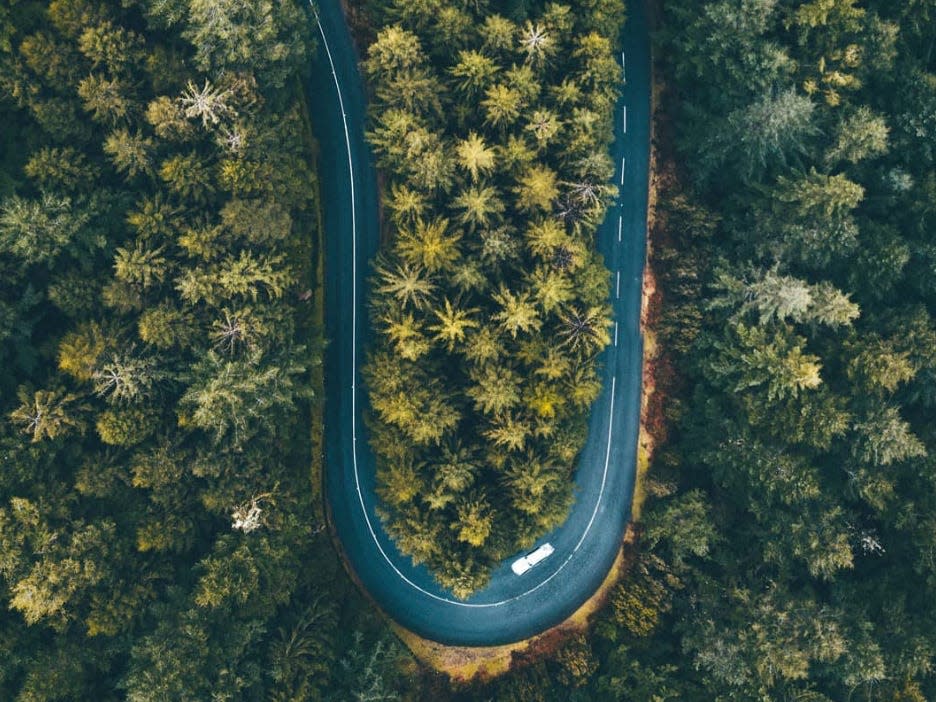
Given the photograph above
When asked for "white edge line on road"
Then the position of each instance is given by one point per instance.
(357, 477)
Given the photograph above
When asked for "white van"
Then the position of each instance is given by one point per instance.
(524, 563)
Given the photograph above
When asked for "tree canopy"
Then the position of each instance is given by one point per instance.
(490, 300)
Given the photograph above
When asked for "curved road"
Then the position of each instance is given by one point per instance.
(510, 608)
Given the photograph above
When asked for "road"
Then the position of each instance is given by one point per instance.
(511, 607)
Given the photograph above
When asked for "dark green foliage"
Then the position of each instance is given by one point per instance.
(156, 526)
(784, 546)
(785, 552)
(156, 536)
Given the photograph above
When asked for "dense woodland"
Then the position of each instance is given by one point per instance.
(791, 550)
(159, 534)
(787, 549)
(490, 301)
(158, 531)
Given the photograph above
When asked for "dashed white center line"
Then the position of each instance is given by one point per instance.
(617, 292)
(615, 333)
(620, 224)
(623, 165)
(625, 119)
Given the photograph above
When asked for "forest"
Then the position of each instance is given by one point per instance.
(160, 536)
(159, 533)
(490, 301)
(787, 551)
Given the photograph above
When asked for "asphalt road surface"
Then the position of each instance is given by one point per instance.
(511, 607)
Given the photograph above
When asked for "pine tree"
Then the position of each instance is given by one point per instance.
(474, 520)
(188, 177)
(39, 230)
(80, 350)
(517, 313)
(408, 284)
(537, 43)
(431, 245)
(453, 322)
(61, 169)
(131, 154)
(480, 207)
(475, 156)
(494, 389)
(502, 105)
(140, 266)
(474, 72)
(537, 189)
(111, 47)
(47, 414)
(108, 100)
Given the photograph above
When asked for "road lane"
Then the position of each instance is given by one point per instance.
(510, 607)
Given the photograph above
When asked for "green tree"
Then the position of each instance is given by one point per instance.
(684, 524)
(107, 99)
(502, 105)
(494, 389)
(475, 156)
(405, 204)
(474, 521)
(37, 231)
(884, 437)
(125, 427)
(229, 398)
(876, 365)
(61, 170)
(576, 662)
(111, 47)
(820, 195)
(474, 72)
(517, 312)
(393, 51)
(771, 132)
(408, 284)
(50, 571)
(265, 36)
(47, 414)
(453, 323)
(168, 119)
(480, 206)
(140, 266)
(532, 483)
(537, 189)
(860, 136)
(81, 349)
(498, 35)
(431, 245)
(125, 378)
(754, 359)
(585, 331)
(188, 177)
(131, 153)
